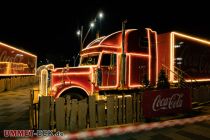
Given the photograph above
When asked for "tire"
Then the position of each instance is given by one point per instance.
(73, 96)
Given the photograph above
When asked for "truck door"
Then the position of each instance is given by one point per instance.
(108, 70)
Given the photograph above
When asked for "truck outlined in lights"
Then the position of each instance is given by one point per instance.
(118, 63)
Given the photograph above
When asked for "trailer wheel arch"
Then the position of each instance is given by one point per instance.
(75, 93)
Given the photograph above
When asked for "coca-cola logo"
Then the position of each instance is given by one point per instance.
(4, 57)
(19, 61)
(164, 103)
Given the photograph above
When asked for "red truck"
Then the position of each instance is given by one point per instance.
(119, 62)
(16, 62)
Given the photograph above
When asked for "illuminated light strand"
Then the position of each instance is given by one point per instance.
(129, 72)
(102, 40)
(69, 69)
(13, 63)
(67, 83)
(105, 46)
(94, 41)
(110, 36)
(50, 66)
(192, 38)
(144, 55)
(126, 32)
(102, 47)
(156, 50)
(116, 33)
(43, 82)
(13, 66)
(157, 58)
(138, 54)
(171, 57)
(15, 74)
(85, 66)
(149, 46)
(69, 87)
(91, 53)
(66, 74)
(110, 46)
(197, 80)
(3, 44)
(71, 82)
(19, 50)
(71, 73)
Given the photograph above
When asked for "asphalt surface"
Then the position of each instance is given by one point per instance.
(14, 109)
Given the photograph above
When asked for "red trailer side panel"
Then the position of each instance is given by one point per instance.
(164, 52)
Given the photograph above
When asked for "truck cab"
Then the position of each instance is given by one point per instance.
(102, 69)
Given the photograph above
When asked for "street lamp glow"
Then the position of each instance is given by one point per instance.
(78, 32)
(101, 15)
(92, 24)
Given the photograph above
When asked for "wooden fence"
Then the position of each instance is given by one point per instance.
(15, 82)
(74, 115)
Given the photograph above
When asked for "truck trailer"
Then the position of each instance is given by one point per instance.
(119, 63)
(16, 62)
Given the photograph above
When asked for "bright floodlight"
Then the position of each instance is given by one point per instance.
(92, 24)
(78, 32)
(101, 15)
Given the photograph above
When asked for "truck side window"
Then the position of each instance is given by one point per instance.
(90, 60)
(143, 42)
(108, 60)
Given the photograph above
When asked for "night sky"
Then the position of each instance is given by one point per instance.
(48, 29)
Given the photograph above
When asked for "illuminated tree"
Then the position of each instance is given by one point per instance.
(163, 80)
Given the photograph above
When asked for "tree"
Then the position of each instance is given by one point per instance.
(163, 80)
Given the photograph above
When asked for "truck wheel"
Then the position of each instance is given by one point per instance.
(73, 96)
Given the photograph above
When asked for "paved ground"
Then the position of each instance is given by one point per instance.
(14, 109)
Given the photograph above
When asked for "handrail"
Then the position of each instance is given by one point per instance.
(178, 74)
(191, 78)
(169, 69)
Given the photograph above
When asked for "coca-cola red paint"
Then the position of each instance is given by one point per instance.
(164, 102)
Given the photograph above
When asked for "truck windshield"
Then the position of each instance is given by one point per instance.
(89, 60)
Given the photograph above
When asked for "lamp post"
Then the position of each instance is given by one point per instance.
(80, 33)
(100, 16)
(75, 59)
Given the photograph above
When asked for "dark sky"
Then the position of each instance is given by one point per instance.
(48, 29)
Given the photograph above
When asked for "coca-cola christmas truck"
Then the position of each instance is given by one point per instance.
(119, 62)
(16, 62)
